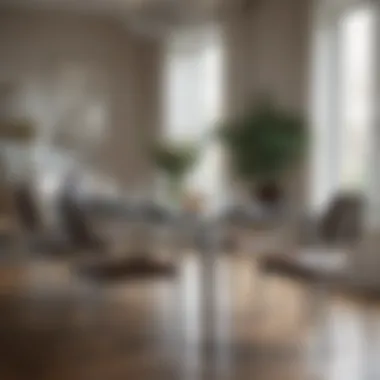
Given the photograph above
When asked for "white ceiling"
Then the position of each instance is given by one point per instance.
(153, 16)
(176, 8)
(76, 4)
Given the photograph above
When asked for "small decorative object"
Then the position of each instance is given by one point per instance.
(174, 160)
(193, 202)
(264, 144)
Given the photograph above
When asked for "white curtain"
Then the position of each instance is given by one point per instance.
(342, 95)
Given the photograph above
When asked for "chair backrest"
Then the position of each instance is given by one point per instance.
(343, 219)
(26, 208)
(74, 221)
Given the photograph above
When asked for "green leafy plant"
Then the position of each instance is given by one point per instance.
(174, 160)
(264, 143)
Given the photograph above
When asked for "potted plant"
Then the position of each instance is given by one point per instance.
(264, 144)
(174, 160)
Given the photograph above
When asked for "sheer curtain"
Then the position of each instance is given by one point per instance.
(342, 96)
(356, 94)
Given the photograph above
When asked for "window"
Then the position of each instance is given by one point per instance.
(193, 105)
(342, 97)
(355, 92)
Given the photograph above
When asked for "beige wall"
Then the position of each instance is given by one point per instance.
(36, 46)
(267, 52)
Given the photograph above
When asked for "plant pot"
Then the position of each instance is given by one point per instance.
(269, 194)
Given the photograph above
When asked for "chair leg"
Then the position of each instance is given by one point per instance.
(260, 301)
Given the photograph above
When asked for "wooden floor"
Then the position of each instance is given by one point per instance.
(217, 320)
